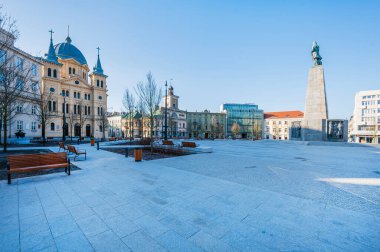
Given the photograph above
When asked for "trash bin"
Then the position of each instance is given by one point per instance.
(138, 155)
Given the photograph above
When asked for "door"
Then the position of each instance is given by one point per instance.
(88, 130)
(77, 130)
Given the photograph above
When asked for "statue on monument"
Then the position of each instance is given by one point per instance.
(315, 54)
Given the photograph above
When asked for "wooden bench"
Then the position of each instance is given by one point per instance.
(63, 147)
(189, 144)
(33, 162)
(77, 152)
(167, 142)
(111, 139)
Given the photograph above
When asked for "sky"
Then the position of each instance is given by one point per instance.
(215, 52)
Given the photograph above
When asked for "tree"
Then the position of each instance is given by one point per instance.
(82, 115)
(103, 123)
(150, 97)
(44, 110)
(129, 104)
(235, 129)
(15, 76)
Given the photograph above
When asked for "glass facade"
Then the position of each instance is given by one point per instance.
(249, 118)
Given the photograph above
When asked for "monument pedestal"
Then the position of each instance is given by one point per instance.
(316, 113)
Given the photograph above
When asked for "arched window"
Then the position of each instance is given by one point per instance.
(69, 70)
(52, 126)
(73, 70)
(49, 72)
(78, 95)
(89, 97)
(85, 96)
(75, 94)
(101, 111)
(97, 83)
(101, 84)
(89, 110)
(49, 105)
(54, 106)
(98, 111)
(67, 93)
(55, 73)
(75, 109)
(85, 110)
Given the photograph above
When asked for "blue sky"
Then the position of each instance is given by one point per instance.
(217, 51)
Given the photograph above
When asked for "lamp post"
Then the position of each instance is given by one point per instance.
(166, 111)
(64, 118)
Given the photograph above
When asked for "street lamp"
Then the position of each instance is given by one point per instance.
(64, 117)
(166, 111)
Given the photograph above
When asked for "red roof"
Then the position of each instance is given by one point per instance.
(283, 114)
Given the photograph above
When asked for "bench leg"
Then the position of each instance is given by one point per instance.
(69, 168)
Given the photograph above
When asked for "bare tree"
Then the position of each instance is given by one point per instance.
(150, 97)
(70, 121)
(129, 104)
(15, 76)
(82, 115)
(103, 122)
(44, 109)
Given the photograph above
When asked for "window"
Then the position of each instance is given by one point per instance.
(89, 111)
(78, 95)
(52, 126)
(49, 72)
(73, 70)
(85, 96)
(67, 93)
(98, 111)
(34, 109)
(20, 84)
(49, 105)
(34, 86)
(88, 97)
(97, 83)
(54, 106)
(75, 94)
(34, 69)
(20, 125)
(19, 109)
(20, 63)
(101, 84)
(63, 92)
(100, 97)
(85, 110)
(100, 128)
(78, 109)
(3, 56)
(75, 109)
(55, 73)
(76, 82)
(67, 108)
(69, 70)
(101, 111)
(34, 126)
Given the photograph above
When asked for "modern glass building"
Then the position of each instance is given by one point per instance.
(243, 120)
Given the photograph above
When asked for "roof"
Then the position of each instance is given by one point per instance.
(283, 114)
(69, 51)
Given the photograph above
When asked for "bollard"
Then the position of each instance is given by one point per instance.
(126, 152)
(138, 155)
(97, 145)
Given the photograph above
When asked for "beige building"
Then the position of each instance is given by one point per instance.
(206, 125)
(23, 113)
(76, 97)
(283, 125)
(365, 123)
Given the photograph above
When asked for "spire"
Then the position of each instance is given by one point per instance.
(51, 56)
(98, 67)
(68, 39)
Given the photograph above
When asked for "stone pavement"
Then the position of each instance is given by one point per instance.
(246, 196)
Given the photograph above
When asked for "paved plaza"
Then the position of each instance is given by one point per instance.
(245, 196)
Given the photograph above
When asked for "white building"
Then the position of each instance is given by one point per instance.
(116, 121)
(278, 124)
(24, 116)
(365, 124)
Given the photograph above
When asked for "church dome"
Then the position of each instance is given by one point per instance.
(69, 51)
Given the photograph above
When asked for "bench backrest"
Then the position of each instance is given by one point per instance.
(167, 142)
(189, 144)
(62, 145)
(30, 160)
(72, 149)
